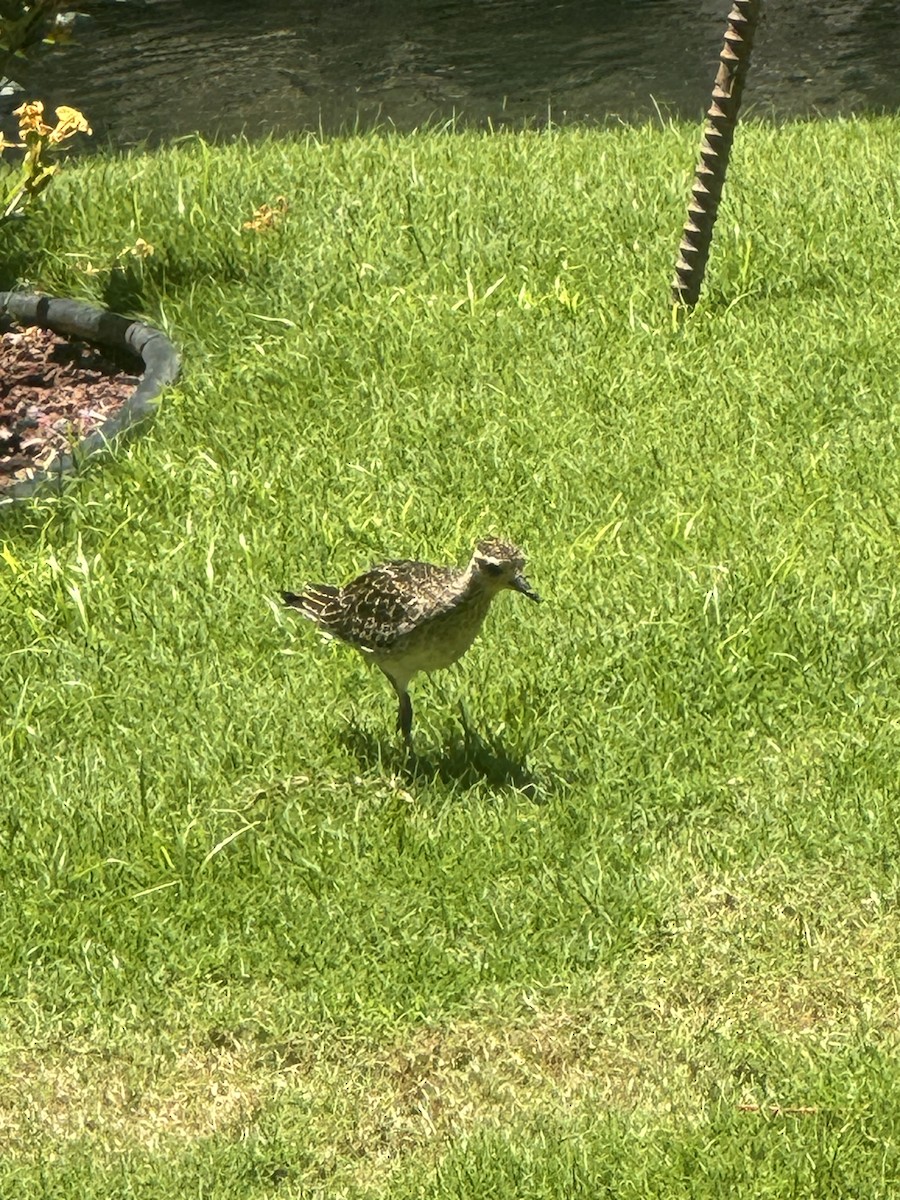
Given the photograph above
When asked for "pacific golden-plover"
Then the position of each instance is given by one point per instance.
(406, 617)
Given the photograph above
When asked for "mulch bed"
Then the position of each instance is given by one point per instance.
(53, 392)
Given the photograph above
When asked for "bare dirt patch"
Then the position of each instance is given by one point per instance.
(54, 391)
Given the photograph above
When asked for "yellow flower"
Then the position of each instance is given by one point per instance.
(140, 249)
(267, 216)
(31, 119)
(69, 121)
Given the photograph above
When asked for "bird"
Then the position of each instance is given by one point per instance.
(406, 616)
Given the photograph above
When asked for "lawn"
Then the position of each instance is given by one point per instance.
(627, 925)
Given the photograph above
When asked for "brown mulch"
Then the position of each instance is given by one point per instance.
(53, 392)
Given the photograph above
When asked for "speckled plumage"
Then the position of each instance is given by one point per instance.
(405, 616)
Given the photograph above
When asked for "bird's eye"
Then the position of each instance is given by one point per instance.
(493, 568)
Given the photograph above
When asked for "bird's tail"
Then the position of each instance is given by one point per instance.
(316, 601)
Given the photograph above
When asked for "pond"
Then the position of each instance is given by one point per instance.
(152, 70)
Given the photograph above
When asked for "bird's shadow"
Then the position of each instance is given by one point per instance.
(467, 759)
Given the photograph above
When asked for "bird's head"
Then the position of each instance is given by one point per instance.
(498, 564)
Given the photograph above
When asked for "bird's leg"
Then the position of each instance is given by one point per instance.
(404, 712)
(404, 718)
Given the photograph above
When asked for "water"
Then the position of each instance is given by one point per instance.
(152, 70)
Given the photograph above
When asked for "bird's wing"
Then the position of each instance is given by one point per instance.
(390, 600)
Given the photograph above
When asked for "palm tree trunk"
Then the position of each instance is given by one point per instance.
(715, 149)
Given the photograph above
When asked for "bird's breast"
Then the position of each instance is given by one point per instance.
(442, 639)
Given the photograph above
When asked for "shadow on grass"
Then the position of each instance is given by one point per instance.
(17, 265)
(720, 300)
(470, 759)
(131, 285)
(123, 291)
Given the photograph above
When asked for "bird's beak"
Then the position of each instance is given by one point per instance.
(521, 584)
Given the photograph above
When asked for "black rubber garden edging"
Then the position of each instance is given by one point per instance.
(72, 318)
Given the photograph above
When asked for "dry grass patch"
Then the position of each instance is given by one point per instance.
(662, 1045)
(790, 947)
(119, 1103)
(361, 1107)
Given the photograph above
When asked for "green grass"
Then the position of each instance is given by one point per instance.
(629, 925)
